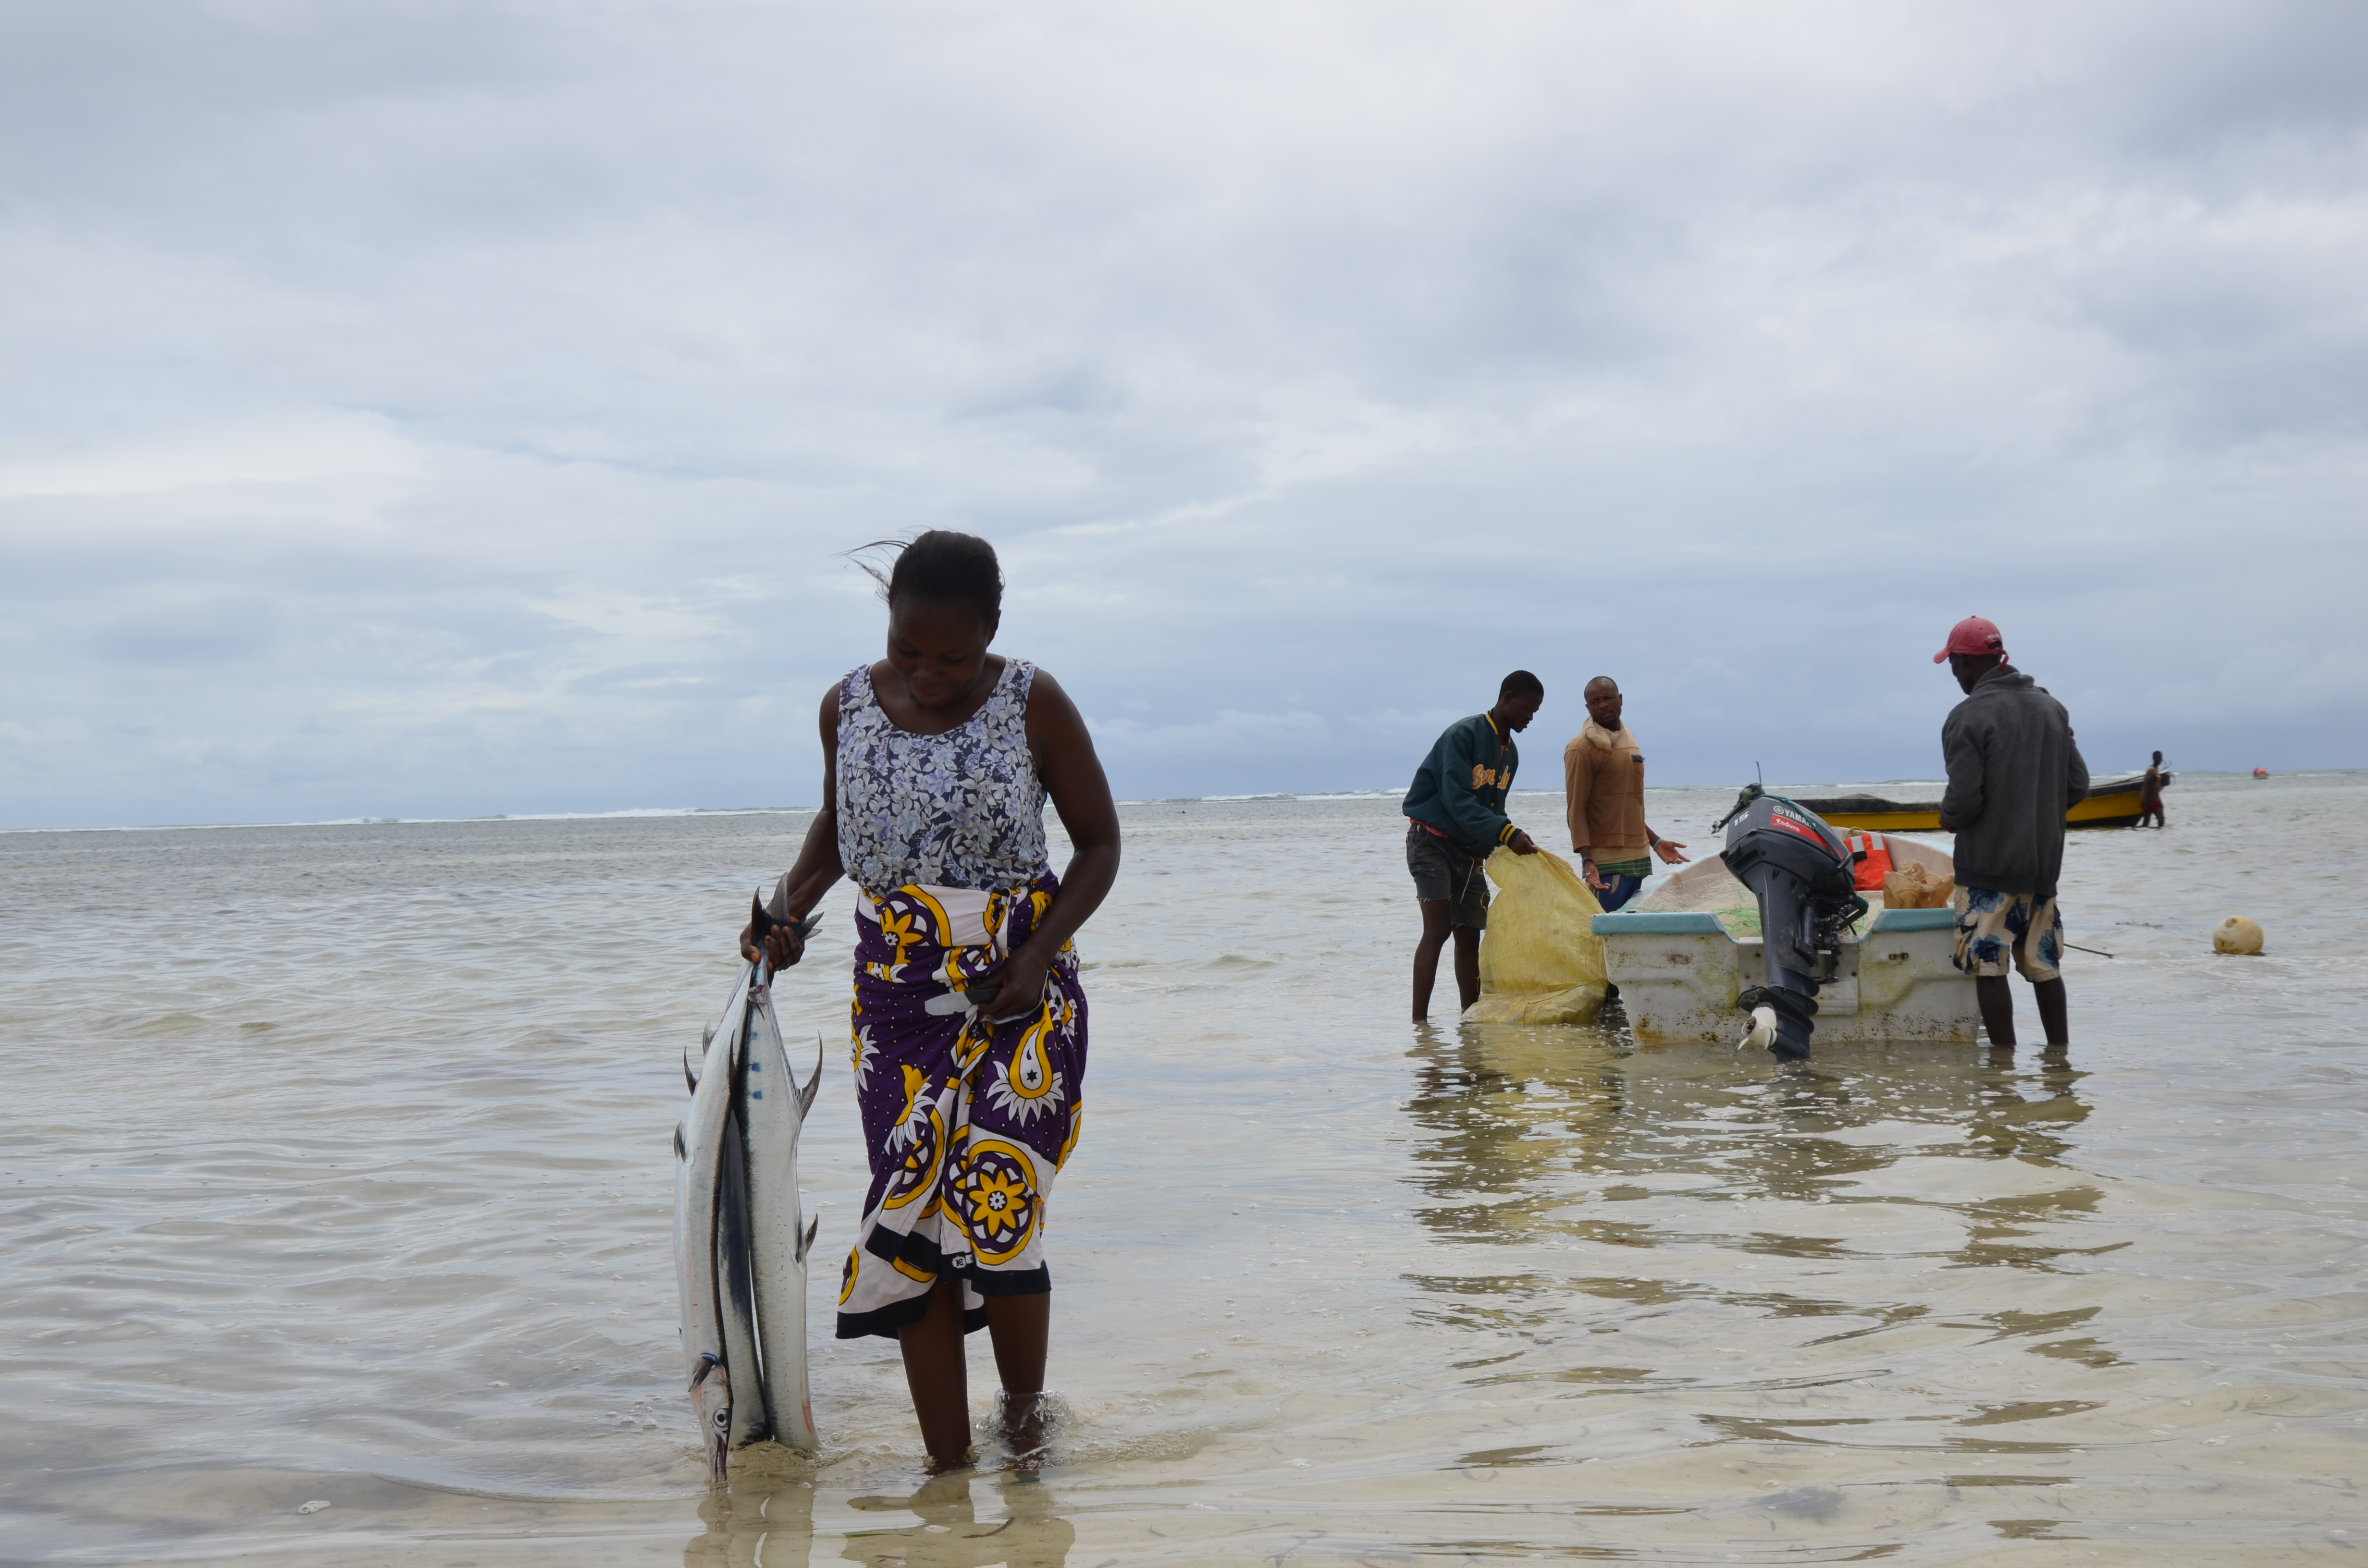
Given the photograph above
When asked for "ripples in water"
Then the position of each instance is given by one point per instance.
(350, 1183)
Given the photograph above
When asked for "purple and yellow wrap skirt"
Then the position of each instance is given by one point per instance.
(965, 1123)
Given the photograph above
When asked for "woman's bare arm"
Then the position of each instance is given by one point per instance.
(817, 866)
(1081, 794)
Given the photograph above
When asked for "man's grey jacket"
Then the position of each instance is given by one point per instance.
(2013, 772)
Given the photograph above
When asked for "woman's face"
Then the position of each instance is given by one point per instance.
(938, 649)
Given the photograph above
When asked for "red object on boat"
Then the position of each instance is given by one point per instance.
(2261, 773)
(1875, 863)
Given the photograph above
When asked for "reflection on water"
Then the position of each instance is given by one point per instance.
(1810, 1208)
(1522, 1122)
(764, 1518)
(1029, 1534)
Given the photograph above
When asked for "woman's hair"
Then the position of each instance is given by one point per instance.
(940, 567)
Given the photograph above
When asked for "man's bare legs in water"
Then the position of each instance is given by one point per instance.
(1435, 913)
(1997, 1010)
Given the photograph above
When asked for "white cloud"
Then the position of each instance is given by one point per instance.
(303, 448)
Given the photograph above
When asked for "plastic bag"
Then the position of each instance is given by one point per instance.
(1541, 962)
(1913, 887)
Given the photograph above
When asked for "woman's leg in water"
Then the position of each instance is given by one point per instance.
(939, 1376)
(937, 1371)
(1020, 1325)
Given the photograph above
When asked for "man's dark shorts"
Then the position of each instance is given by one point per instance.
(1444, 872)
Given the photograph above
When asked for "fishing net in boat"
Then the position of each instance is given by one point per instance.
(1541, 962)
(1706, 887)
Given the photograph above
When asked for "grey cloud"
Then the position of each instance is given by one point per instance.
(209, 632)
(532, 362)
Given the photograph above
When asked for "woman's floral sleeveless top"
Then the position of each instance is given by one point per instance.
(960, 810)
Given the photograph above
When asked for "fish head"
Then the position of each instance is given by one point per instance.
(711, 1405)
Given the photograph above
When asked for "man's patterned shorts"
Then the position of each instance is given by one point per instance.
(1990, 925)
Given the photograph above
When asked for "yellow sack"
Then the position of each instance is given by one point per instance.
(1541, 962)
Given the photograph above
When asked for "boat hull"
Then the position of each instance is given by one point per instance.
(1683, 956)
(1680, 975)
(2113, 803)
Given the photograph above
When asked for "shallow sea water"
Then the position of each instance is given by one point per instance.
(337, 1168)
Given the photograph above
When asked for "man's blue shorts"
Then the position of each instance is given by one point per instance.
(1617, 891)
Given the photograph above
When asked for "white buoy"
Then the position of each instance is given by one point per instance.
(2236, 934)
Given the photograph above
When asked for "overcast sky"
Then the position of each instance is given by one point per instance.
(446, 409)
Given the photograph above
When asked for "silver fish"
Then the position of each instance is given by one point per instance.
(773, 1108)
(740, 1248)
(699, 1144)
(735, 1285)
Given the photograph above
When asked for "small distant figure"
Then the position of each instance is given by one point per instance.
(2014, 770)
(1455, 819)
(1603, 784)
(2261, 773)
(2150, 793)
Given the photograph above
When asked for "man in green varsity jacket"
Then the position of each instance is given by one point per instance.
(1455, 819)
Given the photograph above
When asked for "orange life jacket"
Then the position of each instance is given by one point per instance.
(1867, 874)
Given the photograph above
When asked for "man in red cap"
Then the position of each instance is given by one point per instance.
(2013, 772)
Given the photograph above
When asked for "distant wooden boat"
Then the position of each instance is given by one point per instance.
(2110, 802)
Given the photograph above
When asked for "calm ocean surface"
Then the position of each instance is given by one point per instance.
(336, 1168)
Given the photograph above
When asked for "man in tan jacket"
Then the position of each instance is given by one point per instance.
(1603, 780)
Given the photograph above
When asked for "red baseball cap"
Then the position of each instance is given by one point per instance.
(1971, 635)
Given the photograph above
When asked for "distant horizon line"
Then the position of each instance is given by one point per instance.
(630, 813)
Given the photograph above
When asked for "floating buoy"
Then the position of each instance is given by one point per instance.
(2236, 934)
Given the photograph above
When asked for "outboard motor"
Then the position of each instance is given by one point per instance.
(1803, 873)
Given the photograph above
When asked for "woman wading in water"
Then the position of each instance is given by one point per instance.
(936, 763)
